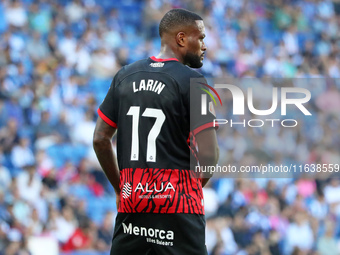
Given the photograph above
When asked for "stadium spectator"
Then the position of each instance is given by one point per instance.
(22, 155)
(29, 184)
(105, 232)
(65, 225)
(81, 239)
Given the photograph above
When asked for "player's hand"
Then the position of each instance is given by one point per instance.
(117, 200)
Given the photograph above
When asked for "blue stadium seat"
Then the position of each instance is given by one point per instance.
(3, 23)
(80, 191)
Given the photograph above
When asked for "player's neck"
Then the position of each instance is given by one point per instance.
(166, 53)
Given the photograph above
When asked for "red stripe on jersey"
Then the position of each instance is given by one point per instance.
(106, 119)
(192, 145)
(204, 126)
(163, 59)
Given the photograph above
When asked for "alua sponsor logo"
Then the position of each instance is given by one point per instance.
(126, 190)
(162, 187)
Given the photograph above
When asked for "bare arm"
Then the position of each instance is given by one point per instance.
(102, 145)
(208, 151)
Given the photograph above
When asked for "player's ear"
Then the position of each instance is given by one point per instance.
(181, 39)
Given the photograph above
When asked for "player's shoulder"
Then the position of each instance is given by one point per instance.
(188, 72)
(186, 77)
(183, 74)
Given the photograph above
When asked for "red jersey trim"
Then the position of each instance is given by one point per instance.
(204, 126)
(106, 119)
(163, 59)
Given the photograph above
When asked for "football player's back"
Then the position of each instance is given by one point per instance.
(151, 102)
(160, 205)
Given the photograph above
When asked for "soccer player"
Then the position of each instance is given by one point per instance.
(160, 205)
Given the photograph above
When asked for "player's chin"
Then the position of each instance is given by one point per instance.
(200, 64)
(194, 61)
(197, 64)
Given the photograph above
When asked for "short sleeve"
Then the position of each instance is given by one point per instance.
(108, 110)
(202, 112)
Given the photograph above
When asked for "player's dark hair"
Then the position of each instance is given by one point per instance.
(175, 18)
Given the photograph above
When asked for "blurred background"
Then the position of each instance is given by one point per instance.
(57, 60)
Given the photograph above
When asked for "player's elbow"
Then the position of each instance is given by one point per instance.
(209, 156)
(102, 135)
(208, 151)
(100, 141)
(217, 151)
(97, 143)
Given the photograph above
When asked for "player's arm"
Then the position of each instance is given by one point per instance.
(208, 150)
(102, 145)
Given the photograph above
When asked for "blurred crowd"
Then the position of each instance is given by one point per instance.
(57, 59)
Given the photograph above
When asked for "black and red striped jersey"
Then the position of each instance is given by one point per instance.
(149, 104)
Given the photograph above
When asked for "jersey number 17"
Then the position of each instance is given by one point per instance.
(134, 111)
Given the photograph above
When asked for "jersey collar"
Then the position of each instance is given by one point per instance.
(163, 59)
